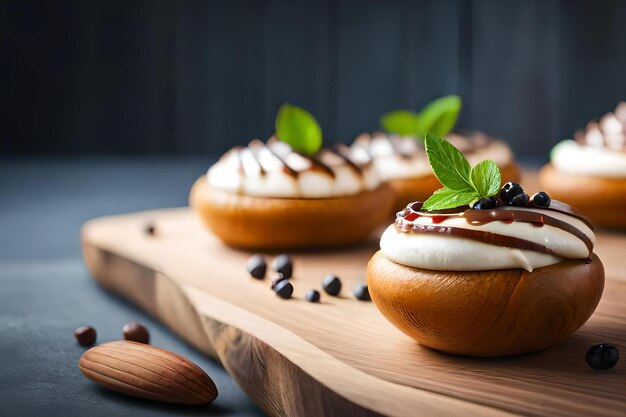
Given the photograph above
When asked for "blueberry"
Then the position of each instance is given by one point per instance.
(509, 191)
(520, 200)
(150, 229)
(331, 284)
(284, 289)
(278, 278)
(541, 199)
(283, 264)
(313, 296)
(256, 266)
(485, 203)
(362, 293)
(602, 356)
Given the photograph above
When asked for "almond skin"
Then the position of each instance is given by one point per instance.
(147, 372)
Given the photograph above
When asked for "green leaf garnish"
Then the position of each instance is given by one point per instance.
(299, 129)
(440, 115)
(445, 198)
(448, 163)
(402, 122)
(462, 184)
(486, 178)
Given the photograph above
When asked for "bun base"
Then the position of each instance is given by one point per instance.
(289, 223)
(602, 199)
(487, 313)
(407, 190)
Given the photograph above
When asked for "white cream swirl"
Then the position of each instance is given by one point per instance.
(599, 149)
(455, 252)
(276, 170)
(397, 157)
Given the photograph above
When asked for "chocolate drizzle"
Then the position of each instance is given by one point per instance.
(536, 216)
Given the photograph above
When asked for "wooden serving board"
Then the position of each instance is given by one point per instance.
(341, 357)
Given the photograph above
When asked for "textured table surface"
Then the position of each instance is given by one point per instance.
(46, 292)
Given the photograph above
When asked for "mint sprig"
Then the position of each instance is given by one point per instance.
(438, 117)
(462, 184)
(299, 129)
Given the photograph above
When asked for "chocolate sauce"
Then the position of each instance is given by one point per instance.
(342, 152)
(536, 217)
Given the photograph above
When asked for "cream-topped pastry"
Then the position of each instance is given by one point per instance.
(276, 170)
(592, 168)
(478, 240)
(291, 192)
(402, 161)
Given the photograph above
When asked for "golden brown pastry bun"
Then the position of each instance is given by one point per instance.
(280, 223)
(603, 200)
(487, 313)
(406, 190)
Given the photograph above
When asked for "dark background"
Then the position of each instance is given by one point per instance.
(199, 76)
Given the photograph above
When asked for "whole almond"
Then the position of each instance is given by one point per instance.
(148, 372)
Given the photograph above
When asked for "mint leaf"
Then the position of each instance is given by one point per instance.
(299, 129)
(445, 198)
(440, 115)
(449, 165)
(402, 122)
(486, 178)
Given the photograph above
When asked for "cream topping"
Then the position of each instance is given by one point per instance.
(445, 248)
(276, 170)
(396, 157)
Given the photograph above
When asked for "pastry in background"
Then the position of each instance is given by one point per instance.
(480, 270)
(589, 172)
(290, 192)
(400, 159)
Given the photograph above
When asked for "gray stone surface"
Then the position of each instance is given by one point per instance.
(46, 292)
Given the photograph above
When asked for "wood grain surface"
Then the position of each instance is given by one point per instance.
(342, 357)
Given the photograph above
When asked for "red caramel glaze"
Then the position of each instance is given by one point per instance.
(480, 217)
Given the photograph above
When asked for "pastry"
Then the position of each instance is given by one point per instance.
(591, 169)
(402, 162)
(510, 275)
(270, 196)
(399, 155)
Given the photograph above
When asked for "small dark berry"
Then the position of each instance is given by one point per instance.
(602, 356)
(284, 289)
(486, 203)
(541, 199)
(417, 206)
(313, 296)
(136, 332)
(362, 293)
(509, 191)
(85, 335)
(283, 264)
(278, 278)
(150, 229)
(331, 284)
(256, 266)
(520, 200)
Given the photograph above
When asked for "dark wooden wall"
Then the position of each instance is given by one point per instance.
(198, 76)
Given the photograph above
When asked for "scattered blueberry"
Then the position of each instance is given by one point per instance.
(331, 284)
(284, 289)
(256, 266)
(541, 199)
(486, 203)
(278, 278)
(509, 191)
(520, 200)
(283, 264)
(602, 356)
(150, 229)
(362, 293)
(313, 296)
